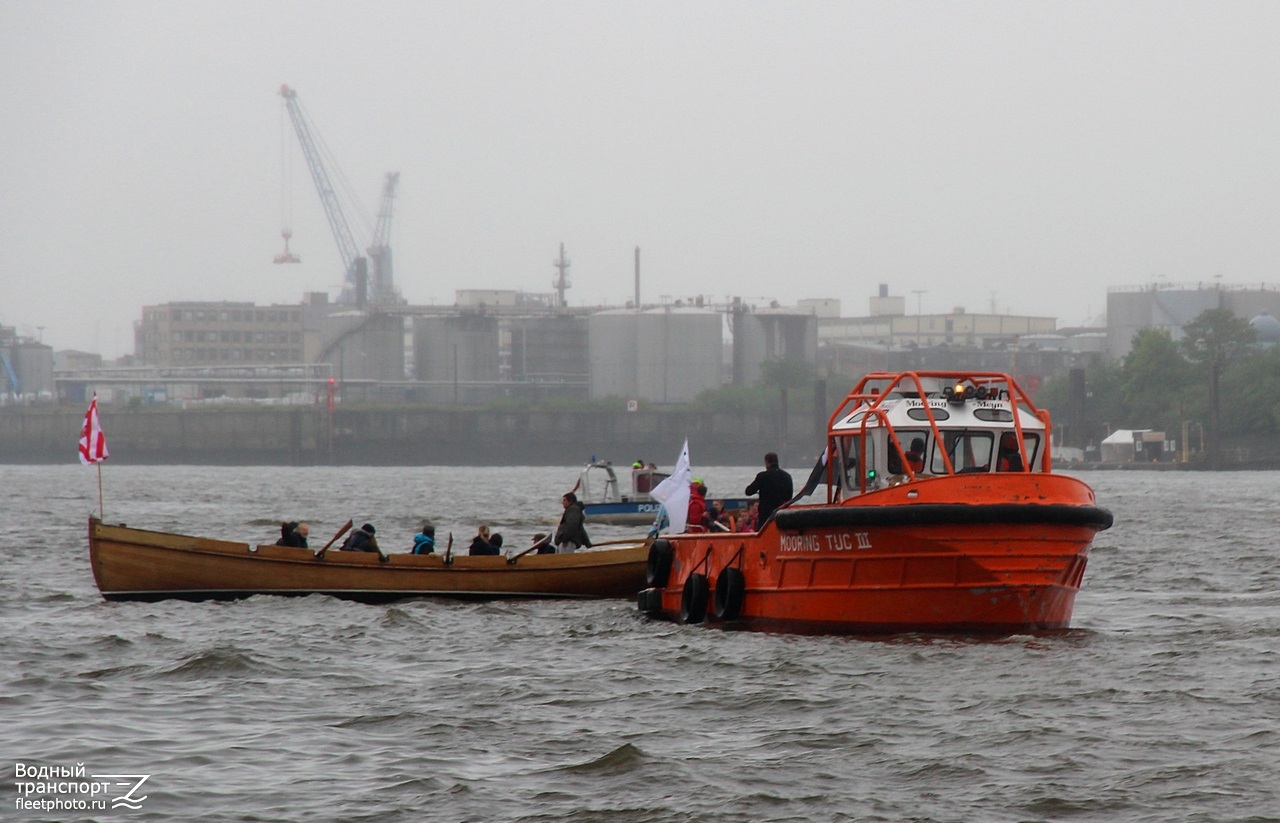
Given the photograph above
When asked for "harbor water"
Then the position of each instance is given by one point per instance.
(1161, 703)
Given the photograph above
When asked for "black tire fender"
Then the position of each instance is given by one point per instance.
(658, 568)
(693, 600)
(649, 601)
(731, 590)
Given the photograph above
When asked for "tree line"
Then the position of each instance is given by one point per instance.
(1214, 378)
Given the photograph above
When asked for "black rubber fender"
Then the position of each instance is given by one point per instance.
(693, 600)
(659, 567)
(943, 514)
(649, 601)
(731, 590)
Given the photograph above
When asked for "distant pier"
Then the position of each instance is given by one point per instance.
(231, 435)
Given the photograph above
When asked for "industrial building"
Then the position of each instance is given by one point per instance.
(1030, 365)
(26, 368)
(1170, 306)
(1031, 348)
(772, 333)
(887, 324)
(220, 333)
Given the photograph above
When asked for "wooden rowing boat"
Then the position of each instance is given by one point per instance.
(135, 564)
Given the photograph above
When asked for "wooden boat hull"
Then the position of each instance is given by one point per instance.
(135, 564)
(1001, 555)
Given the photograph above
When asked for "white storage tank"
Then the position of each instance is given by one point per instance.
(462, 347)
(663, 355)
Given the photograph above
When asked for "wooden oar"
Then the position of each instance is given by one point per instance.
(511, 561)
(544, 541)
(624, 540)
(345, 527)
(448, 551)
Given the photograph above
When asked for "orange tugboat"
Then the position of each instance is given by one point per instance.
(941, 515)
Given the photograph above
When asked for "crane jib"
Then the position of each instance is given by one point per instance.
(380, 286)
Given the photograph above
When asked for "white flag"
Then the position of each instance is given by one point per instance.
(673, 493)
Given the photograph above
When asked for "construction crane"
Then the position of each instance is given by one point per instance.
(354, 287)
(382, 289)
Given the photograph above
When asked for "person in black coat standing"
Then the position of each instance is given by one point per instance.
(571, 534)
(774, 487)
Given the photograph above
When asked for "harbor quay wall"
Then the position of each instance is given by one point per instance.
(407, 436)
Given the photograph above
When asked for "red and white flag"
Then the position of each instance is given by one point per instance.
(93, 443)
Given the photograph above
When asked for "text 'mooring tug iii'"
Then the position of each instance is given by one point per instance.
(942, 515)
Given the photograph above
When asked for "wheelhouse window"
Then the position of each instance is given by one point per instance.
(1031, 441)
(994, 415)
(1007, 457)
(921, 414)
(970, 451)
(855, 463)
(915, 444)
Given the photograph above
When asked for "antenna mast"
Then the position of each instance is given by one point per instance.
(562, 280)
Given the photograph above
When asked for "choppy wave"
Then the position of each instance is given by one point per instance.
(224, 661)
(623, 759)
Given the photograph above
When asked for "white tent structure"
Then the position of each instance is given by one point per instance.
(1128, 445)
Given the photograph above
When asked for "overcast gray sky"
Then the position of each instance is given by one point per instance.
(1022, 154)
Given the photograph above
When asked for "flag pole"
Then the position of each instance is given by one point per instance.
(93, 447)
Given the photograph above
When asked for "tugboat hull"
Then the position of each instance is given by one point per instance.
(957, 578)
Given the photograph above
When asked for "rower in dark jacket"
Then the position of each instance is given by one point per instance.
(361, 540)
(773, 485)
(293, 534)
(480, 544)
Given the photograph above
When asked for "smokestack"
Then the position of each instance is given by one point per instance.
(884, 289)
(637, 278)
